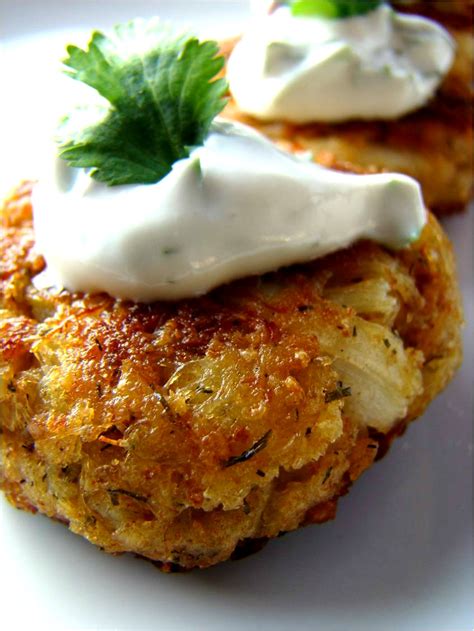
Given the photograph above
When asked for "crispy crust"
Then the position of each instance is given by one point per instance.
(188, 432)
(433, 145)
(453, 13)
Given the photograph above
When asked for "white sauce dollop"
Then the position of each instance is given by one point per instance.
(237, 206)
(301, 69)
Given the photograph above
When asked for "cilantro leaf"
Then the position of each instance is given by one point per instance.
(333, 8)
(160, 96)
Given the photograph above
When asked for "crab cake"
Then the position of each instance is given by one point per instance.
(184, 431)
(453, 12)
(433, 144)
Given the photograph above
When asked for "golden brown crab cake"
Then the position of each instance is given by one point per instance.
(433, 144)
(179, 431)
(448, 12)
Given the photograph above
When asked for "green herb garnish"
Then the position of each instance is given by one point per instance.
(159, 94)
(115, 492)
(260, 444)
(339, 393)
(326, 475)
(333, 8)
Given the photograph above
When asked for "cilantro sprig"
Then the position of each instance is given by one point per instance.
(333, 8)
(160, 96)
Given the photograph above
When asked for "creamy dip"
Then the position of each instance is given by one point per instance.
(237, 206)
(378, 65)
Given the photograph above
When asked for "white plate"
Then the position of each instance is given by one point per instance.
(399, 555)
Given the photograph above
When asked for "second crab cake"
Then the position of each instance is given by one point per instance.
(433, 144)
